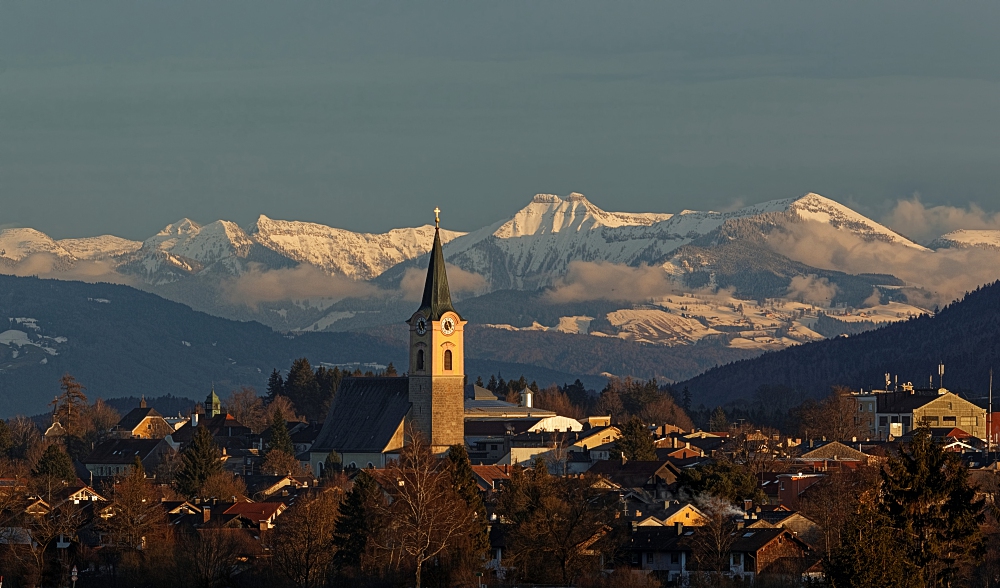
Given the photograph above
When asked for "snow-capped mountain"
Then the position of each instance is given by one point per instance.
(339, 251)
(535, 246)
(18, 244)
(966, 238)
(185, 248)
(99, 248)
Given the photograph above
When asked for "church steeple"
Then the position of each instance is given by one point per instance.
(437, 295)
(437, 359)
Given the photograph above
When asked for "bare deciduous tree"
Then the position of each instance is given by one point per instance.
(248, 408)
(425, 515)
(303, 542)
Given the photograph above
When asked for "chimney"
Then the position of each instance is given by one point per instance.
(680, 527)
(206, 514)
(194, 419)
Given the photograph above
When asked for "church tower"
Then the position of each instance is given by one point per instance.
(437, 359)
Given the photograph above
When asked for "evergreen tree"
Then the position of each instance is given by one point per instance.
(356, 522)
(635, 442)
(302, 388)
(686, 400)
(327, 382)
(869, 555)
(54, 469)
(69, 407)
(6, 439)
(719, 421)
(492, 385)
(390, 370)
(927, 496)
(722, 478)
(332, 465)
(280, 439)
(479, 382)
(275, 385)
(464, 481)
(199, 461)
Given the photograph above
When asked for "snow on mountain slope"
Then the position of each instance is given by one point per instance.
(185, 247)
(16, 244)
(103, 247)
(817, 208)
(965, 238)
(536, 245)
(339, 251)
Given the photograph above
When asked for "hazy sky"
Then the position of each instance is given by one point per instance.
(122, 117)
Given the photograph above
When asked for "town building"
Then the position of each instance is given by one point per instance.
(142, 423)
(899, 412)
(368, 419)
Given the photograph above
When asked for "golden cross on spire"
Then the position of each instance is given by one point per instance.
(437, 217)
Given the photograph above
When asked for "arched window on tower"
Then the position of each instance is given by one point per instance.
(420, 360)
(447, 360)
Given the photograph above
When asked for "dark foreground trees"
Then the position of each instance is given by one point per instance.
(555, 525)
(922, 528)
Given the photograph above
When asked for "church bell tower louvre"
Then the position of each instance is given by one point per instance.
(437, 358)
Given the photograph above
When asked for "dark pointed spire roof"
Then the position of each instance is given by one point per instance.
(437, 296)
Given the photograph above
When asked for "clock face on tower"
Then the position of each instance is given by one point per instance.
(421, 326)
(448, 326)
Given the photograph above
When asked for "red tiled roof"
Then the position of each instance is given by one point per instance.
(255, 511)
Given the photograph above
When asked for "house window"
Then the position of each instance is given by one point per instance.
(970, 421)
(420, 360)
(883, 421)
(447, 360)
(932, 421)
(675, 558)
(649, 557)
(738, 559)
(949, 420)
(907, 421)
(635, 559)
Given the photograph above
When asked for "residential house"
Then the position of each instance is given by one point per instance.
(673, 553)
(835, 455)
(116, 456)
(652, 476)
(791, 487)
(142, 423)
(898, 413)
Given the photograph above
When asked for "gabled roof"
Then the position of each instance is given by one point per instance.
(365, 415)
(123, 451)
(835, 450)
(487, 475)
(256, 512)
(221, 425)
(135, 417)
(437, 296)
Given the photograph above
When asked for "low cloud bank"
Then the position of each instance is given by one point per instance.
(48, 266)
(459, 280)
(812, 289)
(946, 273)
(924, 223)
(297, 283)
(596, 280)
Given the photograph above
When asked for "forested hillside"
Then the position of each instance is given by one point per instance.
(120, 342)
(964, 335)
